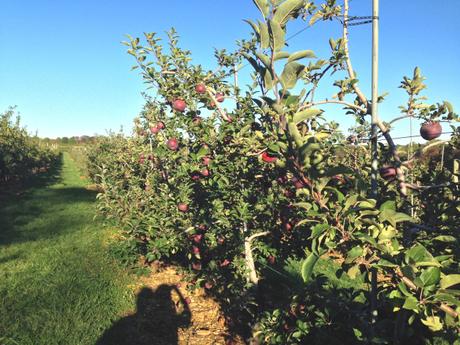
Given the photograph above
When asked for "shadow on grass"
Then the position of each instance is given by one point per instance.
(11, 190)
(156, 320)
(39, 213)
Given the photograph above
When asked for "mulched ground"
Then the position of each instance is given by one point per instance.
(169, 314)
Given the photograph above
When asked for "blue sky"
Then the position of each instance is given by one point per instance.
(62, 64)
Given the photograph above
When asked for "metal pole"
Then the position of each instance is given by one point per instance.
(374, 121)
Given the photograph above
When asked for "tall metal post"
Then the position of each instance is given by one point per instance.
(375, 71)
(374, 121)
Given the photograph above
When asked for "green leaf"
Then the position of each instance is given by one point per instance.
(264, 59)
(418, 255)
(277, 35)
(450, 280)
(445, 238)
(268, 78)
(430, 276)
(254, 27)
(252, 61)
(263, 6)
(410, 303)
(281, 55)
(286, 9)
(302, 54)
(388, 205)
(318, 229)
(306, 114)
(307, 267)
(264, 36)
(291, 74)
(433, 323)
(353, 253)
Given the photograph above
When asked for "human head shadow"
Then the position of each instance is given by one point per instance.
(156, 320)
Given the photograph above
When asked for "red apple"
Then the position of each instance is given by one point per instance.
(220, 97)
(160, 125)
(205, 172)
(179, 105)
(202, 227)
(197, 238)
(206, 160)
(200, 88)
(267, 158)
(212, 105)
(388, 173)
(154, 129)
(196, 120)
(271, 259)
(183, 207)
(224, 263)
(172, 144)
(196, 250)
(220, 240)
(208, 285)
(430, 130)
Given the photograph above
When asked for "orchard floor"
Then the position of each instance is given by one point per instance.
(58, 284)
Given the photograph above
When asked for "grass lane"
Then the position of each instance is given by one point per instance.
(57, 283)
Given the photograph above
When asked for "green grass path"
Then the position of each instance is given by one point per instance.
(57, 283)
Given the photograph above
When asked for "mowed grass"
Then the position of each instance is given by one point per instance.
(57, 283)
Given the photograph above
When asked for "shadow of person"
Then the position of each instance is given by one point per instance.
(155, 322)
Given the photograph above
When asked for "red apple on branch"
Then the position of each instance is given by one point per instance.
(430, 130)
(267, 158)
(220, 97)
(183, 207)
(179, 105)
(200, 88)
(172, 144)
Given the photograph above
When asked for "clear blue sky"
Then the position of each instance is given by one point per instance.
(62, 64)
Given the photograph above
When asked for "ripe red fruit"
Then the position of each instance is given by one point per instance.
(212, 105)
(202, 227)
(208, 285)
(172, 144)
(224, 263)
(267, 158)
(200, 88)
(220, 97)
(430, 130)
(287, 226)
(183, 207)
(205, 172)
(197, 238)
(154, 129)
(220, 240)
(206, 160)
(388, 173)
(196, 250)
(271, 259)
(179, 105)
(196, 120)
(160, 125)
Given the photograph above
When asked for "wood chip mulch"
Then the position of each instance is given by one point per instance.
(168, 313)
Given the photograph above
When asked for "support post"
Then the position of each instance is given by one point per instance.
(374, 145)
